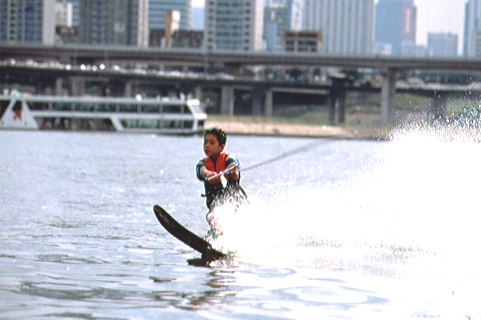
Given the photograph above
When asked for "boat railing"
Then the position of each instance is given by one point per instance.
(149, 106)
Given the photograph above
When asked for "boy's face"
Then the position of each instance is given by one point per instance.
(211, 146)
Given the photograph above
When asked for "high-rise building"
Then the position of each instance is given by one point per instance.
(281, 16)
(27, 21)
(475, 49)
(75, 8)
(303, 41)
(119, 22)
(443, 44)
(157, 9)
(312, 13)
(472, 29)
(63, 14)
(346, 25)
(198, 18)
(234, 25)
(396, 24)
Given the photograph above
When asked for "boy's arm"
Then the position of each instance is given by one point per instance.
(202, 172)
(235, 175)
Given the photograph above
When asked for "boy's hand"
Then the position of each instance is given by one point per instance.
(234, 174)
(210, 174)
(206, 173)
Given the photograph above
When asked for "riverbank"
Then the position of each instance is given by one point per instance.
(239, 127)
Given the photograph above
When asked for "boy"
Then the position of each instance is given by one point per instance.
(215, 191)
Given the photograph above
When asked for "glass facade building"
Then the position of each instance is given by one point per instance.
(346, 25)
(157, 10)
(234, 25)
(281, 16)
(120, 22)
(442, 44)
(75, 10)
(472, 29)
(395, 24)
(27, 21)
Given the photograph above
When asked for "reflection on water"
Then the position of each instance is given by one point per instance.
(346, 229)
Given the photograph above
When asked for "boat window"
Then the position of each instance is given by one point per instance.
(150, 108)
(84, 107)
(91, 124)
(106, 107)
(172, 124)
(3, 106)
(61, 106)
(129, 123)
(152, 124)
(148, 124)
(17, 108)
(128, 108)
(188, 124)
(38, 105)
(173, 108)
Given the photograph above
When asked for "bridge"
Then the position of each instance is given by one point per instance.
(388, 65)
(78, 54)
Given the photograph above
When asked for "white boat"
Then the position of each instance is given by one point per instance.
(130, 115)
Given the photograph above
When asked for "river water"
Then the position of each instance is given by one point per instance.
(344, 229)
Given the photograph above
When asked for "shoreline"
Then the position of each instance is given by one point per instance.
(233, 127)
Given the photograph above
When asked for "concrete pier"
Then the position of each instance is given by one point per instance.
(388, 92)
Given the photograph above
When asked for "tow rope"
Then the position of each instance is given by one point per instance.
(277, 158)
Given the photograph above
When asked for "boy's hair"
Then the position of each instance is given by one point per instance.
(219, 133)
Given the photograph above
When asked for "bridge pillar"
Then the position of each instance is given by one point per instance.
(332, 109)
(227, 101)
(257, 96)
(439, 106)
(198, 93)
(388, 92)
(77, 86)
(59, 91)
(268, 103)
(337, 99)
(129, 89)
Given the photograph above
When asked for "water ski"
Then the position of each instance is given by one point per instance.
(185, 235)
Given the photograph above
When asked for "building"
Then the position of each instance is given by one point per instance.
(157, 9)
(75, 10)
(198, 18)
(234, 25)
(412, 50)
(303, 41)
(312, 12)
(346, 25)
(66, 35)
(27, 21)
(172, 24)
(65, 31)
(64, 14)
(188, 39)
(475, 44)
(119, 22)
(443, 44)
(280, 16)
(395, 24)
(472, 28)
(384, 49)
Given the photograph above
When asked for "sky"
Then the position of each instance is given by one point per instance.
(433, 16)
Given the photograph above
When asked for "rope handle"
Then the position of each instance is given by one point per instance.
(229, 169)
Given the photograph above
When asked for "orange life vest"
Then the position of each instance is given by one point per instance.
(219, 166)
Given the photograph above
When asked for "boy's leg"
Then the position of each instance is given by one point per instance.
(213, 222)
